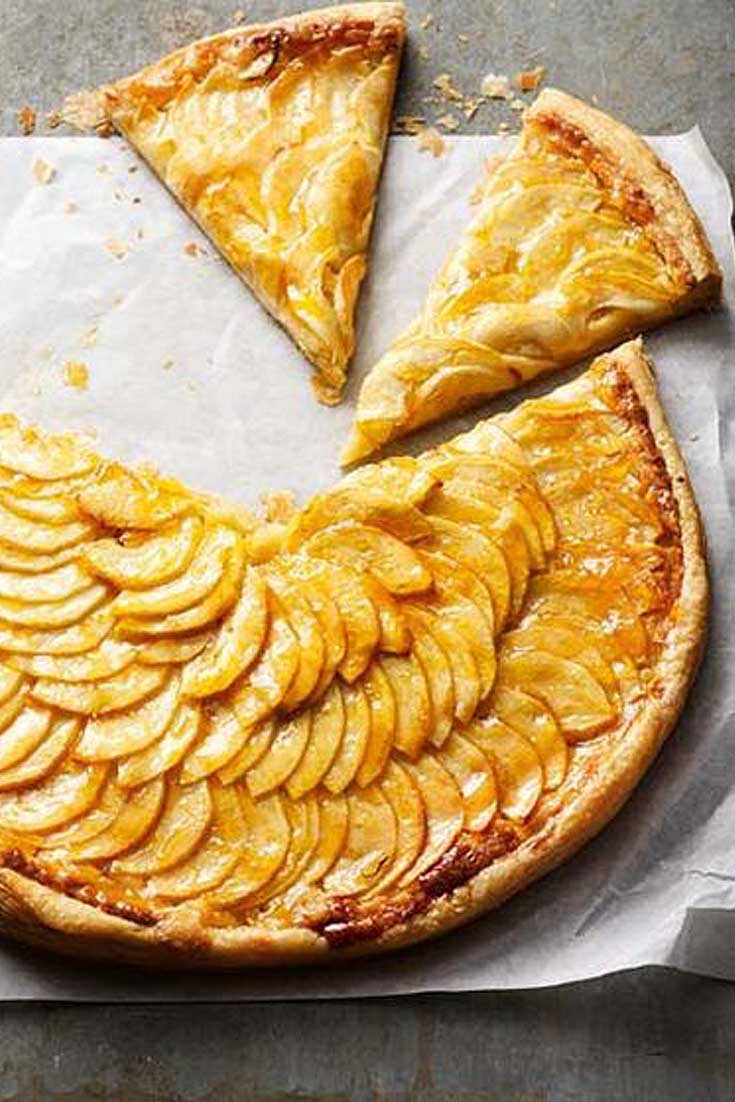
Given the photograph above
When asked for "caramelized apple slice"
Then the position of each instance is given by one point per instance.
(29, 562)
(121, 498)
(257, 742)
(63, 796)
(517, 765)
(113, 736)
(306, 628)
(327, 731)
(56, 614)
(564, 642)
(474, 776)
(23, 734)
(136, 561)
(439, 680)
(137, 817)
(166, 752)
(382, 702)
(457, 602)
(303, 817)
(554, 597)
(401, 791)
(237, 644)
(95, 819)
(578, 701)
(76, 639)
(174, 650)
(57, 584)
(468, 546)
(500, 501)
(354, 741)
(177, 834)
(370, 844)
(281, 757)
(533, 720)
(265, 686)
(413, 703)
(96, 698)
(391, 561)
(11, 681)
(332, 630)
(444, 813)
(41, 456)
(332, 833)
(45, 539)
(361, 623)
(395, 638)
(268, 836)
(109, 658)
(44, 758)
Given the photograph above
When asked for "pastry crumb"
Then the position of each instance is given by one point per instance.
(424, 53)
(503, 128)
(429, 140)
(53, 119)
(76, 374)
(46, 352)
(103, 169)
(191, 248)
(471, 107)
(167, 364)
(447, 89)
(528, 80)
(88, 339)
(496, 86)
(517, 104)
(463, 38)
(239, 16)
(26, 118)
(43, 171)
(448, 122)
(70, 207)
(408, 124)
(118, 249)
(278, 505)
(427, 21)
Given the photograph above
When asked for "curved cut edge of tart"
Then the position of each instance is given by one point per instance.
(226, 742)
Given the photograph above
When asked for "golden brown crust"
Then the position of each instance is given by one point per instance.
(650, 192)
(445, 897)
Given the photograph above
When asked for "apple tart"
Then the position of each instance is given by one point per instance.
(581, 237)
(271, 137)
(227, 741)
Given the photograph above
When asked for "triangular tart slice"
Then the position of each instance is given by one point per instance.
(271, 137)
(581, 237)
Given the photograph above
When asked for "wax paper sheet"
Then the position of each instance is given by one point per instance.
(99, 266)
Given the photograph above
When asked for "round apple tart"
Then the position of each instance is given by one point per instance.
(232, 741)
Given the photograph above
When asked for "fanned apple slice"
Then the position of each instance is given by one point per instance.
(188, 588)
(332, 631)
(44, 758)
(578, 702)
(76, 639)
(535, 722)
(442, 802)
(201, 614)
(213, 860)
(489, 438)
(382, 702)
(303, 817)
(38, 456)
(268, 837)
(518, 769)
(137, 817)
(553, 597)
(327, 731)
(564, 642)
(459, 606)
(47, 510)
(369, 847)
(56, 614)
(147, 560)
(14, 704)
(333, 824)
(11, 680)
(165, 752)
(413, 704)
(55, 585)
(452, 576)
(401, 791)
(66, 794)
(361, 623)
(179, 831)
(475, 777)
(257, 742)
(46, 539)
(395, 638)
(109, 658)
(20, 737)
(12, 559)
(306, 628)
(391, 561)
(485, 558)
(499, 501)
(140, 499)
(237, 644)
(266, 684)
(354, 741)
(465, 673)
(174, 650)
(96, 698)
(281, 757)
(439, 679)
(113, 736)
(224, 739)
(96, 818)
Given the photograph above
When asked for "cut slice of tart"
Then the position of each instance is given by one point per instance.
(352, 731)
(581, 237)
(271, 137)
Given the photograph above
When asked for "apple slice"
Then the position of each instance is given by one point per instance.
(44, 759)
(121, 498)
(113, 736)
(489, 438)
(257, 742)
(14, 704)
(327, 732)
(28, 562)
(439, 680)
(307, 630)
(303, 817)
(267, 835)
(174, 650)
(137, 561)
(579, 703)
(95, 819)
(177, 834)
(370, 844)
(20, 737)
(46, 539)
(332, 631)
(57, 584)
(360, 619)
(56, 614)
(354, 741)
(451, 576)
(204, 612)
(457, 602)
(138, 816)
(96, 698)
(501, 501)
(391, 561)
(442, 802)
(76, 639)
(533, 720)
(63, 796)
(395, 638)
(465, 674)
(223, 739)
(48, 509)
(281, 757)
(382, 702)
(518, 771)
(265, 686)
(401, 791)
(214, 860)
(332, 834)
(474, 776)
(555, 638)
(166, 752)
(413, 703)
(555, 597)
(237, 644)
(473, 550)
(109, 658)
(11, 681)
(40, 456)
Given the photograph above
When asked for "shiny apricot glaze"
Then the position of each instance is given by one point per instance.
(285, 724)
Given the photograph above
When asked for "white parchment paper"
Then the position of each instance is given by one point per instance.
(186, 370)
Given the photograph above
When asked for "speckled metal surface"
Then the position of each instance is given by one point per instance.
(641, 1037)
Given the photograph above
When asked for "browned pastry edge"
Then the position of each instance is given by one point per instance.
(646, 188)
(458, 888)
